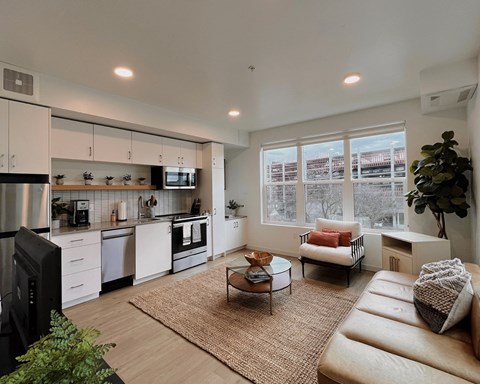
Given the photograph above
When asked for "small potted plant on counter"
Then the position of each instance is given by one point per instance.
(88, 177)
(109, 180)
(59, 179)
(58, 209)
(234, 206)
(141, 180)
(127, 179)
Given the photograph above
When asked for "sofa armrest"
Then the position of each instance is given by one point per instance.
(304, 237)
(356, 246)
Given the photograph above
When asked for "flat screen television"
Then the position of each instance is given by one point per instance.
(37, 285)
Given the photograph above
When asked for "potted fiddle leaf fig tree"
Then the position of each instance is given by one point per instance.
(440, 182)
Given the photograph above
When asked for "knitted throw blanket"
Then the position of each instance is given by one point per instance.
(443, 294)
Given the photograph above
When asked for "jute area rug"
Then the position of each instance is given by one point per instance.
(279, 348)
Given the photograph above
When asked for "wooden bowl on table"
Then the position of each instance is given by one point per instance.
(259, 258)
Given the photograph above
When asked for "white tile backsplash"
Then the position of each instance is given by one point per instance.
(102, 202)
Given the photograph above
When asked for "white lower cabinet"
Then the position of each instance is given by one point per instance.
(81, 266)
(153, 250)
(235, 233)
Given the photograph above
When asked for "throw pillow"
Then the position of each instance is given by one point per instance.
(443, 294)
(345, 236)
(325, 239)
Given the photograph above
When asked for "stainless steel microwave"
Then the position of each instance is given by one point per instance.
(174, 178)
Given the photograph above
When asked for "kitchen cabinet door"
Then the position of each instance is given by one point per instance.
(153, 249)
(71, 139)
(147, 149)
(112, 144)
(28, 138)
(3, 136)
(235, 233)
(179, 153)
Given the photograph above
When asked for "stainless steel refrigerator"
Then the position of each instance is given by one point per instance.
(24, 201)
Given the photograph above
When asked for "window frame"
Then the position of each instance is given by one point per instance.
(348, 181)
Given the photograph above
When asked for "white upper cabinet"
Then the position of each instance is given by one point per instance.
(112, 144)
(178, 153)
(71, 139)
(147, 149)
(24, 138)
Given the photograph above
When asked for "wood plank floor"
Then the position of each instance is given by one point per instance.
(148, 352)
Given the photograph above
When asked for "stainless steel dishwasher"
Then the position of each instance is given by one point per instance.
(118, 253)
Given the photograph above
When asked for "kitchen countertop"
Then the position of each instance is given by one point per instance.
(106, 225)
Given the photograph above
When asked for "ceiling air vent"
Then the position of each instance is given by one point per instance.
(18, 83)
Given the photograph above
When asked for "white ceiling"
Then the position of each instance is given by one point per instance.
(192, 56)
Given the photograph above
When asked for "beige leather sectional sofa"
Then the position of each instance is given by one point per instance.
(384, 339)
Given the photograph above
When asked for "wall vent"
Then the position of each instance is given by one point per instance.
(452, 98)
(18, 83)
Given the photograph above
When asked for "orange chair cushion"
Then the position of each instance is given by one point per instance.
(323, 238)
(345, 236)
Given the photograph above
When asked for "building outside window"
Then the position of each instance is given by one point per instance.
(359, 178)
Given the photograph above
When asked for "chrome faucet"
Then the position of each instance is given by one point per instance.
(141, 208)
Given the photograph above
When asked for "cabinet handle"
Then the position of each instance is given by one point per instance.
(159, 158)
(76, 286)
(2, 158)
(182, 160)
(75, 260)
(90, 151)
(169, 229)
(74, 241)
(13, 161)
(214, 211)
(178, 160)
(129, 155)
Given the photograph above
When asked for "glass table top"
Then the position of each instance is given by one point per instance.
(242, 266)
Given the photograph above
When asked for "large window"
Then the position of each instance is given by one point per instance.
(358, 178)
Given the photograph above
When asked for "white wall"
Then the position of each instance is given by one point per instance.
(473, 123)
(243, 173)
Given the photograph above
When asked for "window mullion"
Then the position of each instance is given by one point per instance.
(348, 212)
(300, 187)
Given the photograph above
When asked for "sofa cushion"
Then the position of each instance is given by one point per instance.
(339, 255)
(323, 238)
(475, 313)
(351, 226)
(443, 294)
(345, 236)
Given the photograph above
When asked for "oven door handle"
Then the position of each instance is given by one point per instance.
(189, 222)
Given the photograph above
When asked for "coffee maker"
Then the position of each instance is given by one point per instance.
(79, 216)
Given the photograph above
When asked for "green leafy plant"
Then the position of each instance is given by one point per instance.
(440, 182)
(109, 177)
(233, 205)
(58, 208)
(87, 175)
(59, 177)
(66, 355)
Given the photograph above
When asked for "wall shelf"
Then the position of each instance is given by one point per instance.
(75, 187)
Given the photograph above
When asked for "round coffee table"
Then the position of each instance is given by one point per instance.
(254, 279)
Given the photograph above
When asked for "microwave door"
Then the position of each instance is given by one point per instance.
(176, 179)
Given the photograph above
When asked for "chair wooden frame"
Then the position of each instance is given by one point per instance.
(356, 246)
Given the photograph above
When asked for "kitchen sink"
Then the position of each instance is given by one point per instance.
(146, 220)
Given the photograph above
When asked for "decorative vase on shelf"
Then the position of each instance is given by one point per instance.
(59, 182)
(88, 182)
(127, 182)
(109, 182)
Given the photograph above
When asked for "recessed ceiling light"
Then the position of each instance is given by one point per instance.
(123, 72)
(351, 78)
(234, 113)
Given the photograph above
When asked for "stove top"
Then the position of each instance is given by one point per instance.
(183, 217)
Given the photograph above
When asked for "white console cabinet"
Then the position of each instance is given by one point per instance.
(81, 266)
(408, 251)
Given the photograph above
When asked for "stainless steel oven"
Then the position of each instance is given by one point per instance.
(189, 242)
